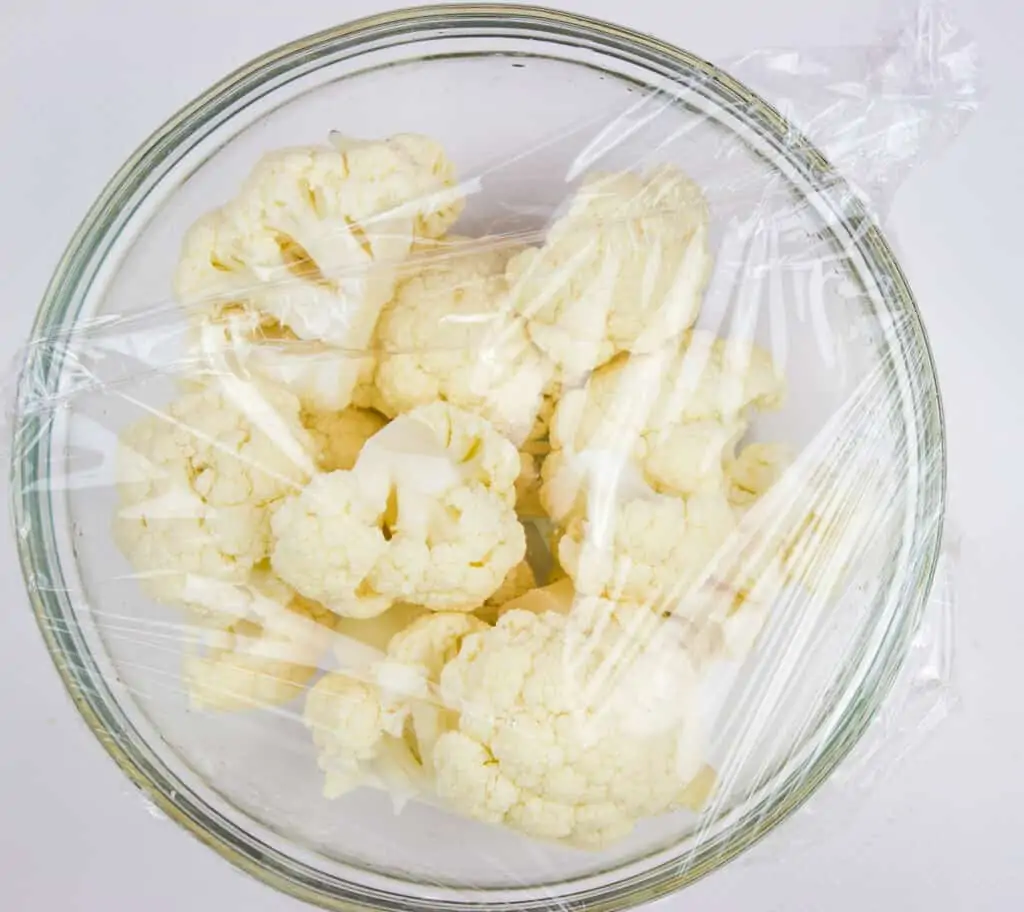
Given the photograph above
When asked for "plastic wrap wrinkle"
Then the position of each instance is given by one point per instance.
(600, 519)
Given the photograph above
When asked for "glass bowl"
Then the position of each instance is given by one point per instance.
(520, 97)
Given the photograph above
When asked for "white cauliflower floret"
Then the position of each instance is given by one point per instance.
(346, 719)
(449, 335)
(383, 729)
(328, 538)
(339, 437)
(677, 414)
(197, 484)
(571, 726)
(451, 553)
(425, 517)
(315, 237)
(263, 644)
(650, 550)
(623, 270)
(466, 441)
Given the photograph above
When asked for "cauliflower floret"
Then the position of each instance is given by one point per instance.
(425, 517)
(449, 335)
(346, 718)
(197, 484)
(451, 553)
(650, 550)
(467, 441)
(623, 270)
(314, 240)
(571, 726)
(339, 437)
(328, 538)
(263, 644)
(677, 414)
(362, 727)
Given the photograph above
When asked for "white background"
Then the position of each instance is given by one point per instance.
(81, 84)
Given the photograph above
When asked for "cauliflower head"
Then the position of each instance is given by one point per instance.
(623, 270)
(425, 517)
(428, 439)
(449, 335)
(453, 531)
(328, 538)
(571, 726)
(198, 484)
(452, 552)
(315, 236)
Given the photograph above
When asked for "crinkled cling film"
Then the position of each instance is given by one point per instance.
(520, 495)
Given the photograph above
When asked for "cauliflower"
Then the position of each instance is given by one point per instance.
(454, 534)
(197, 484)
(571, 726)
(623, 270)
(409, 676)
(383, 729)
(425, 517)
(649, 550)
(448, 335)
(451, 553)
(677, 414)
(263, 644)
(339, 437)
(327, 539)
(315, 236)
(373, 410)
(345, 717)
(466, 441)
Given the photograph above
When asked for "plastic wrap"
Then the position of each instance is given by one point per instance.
(540, 509)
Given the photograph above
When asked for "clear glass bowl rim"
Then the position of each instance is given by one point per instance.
(39, 558)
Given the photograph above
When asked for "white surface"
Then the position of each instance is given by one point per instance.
(82, 86)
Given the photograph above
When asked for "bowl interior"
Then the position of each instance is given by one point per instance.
(523, 119)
